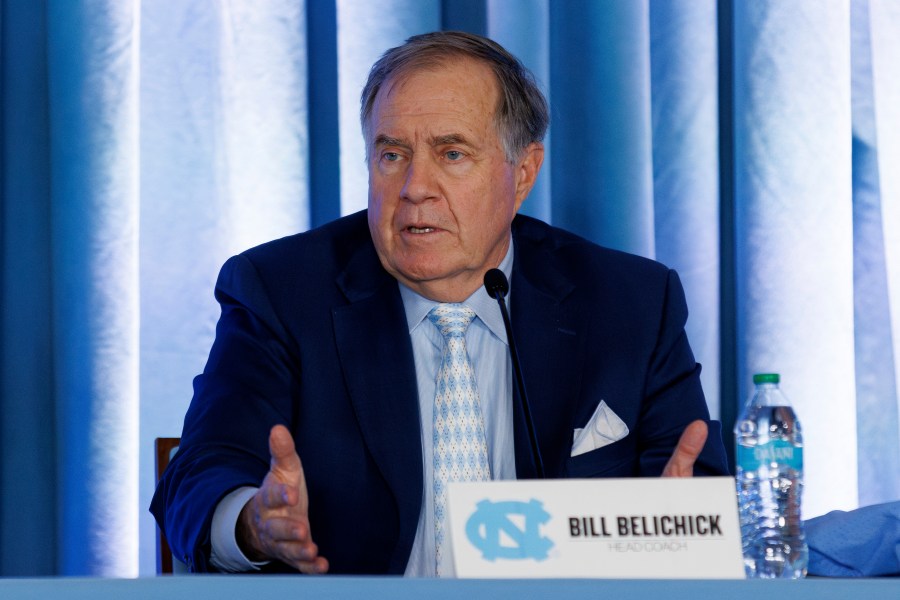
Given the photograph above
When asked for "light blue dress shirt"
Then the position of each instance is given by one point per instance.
(489, 352)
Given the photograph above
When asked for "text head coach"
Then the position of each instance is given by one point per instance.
(370, 348)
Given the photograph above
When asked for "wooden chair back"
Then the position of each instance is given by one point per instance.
(165, 450)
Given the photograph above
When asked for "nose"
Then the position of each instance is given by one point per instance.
(421, 183)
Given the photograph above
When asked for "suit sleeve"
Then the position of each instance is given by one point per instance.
(673, 395)
(245, 389)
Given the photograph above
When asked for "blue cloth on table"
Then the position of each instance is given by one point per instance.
(860, 543)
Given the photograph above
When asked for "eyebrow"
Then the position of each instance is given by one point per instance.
(386, 140)
(450, 138)
(441, 140)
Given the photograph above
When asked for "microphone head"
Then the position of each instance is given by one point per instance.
(496, 284)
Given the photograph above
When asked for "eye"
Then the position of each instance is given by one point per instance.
(390, 156)
(454, 155)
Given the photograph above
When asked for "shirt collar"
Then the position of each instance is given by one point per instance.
(485, 307)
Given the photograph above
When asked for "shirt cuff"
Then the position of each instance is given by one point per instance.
(225, 554)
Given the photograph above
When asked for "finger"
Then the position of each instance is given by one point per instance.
(691, 443)
(300, 552)
(294, 553)
(285, 460)
(284, 530)
(318, 566)
(275, 495)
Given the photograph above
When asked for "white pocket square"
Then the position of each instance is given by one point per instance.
(603, 428)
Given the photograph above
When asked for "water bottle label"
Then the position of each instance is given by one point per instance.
(780, 452)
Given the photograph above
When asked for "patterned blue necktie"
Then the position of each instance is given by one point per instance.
(460, 449)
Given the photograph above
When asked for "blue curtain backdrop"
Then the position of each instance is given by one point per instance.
(750, 145)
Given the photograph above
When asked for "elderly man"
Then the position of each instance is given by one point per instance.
(360, 346)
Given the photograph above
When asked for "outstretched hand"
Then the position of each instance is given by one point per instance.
(274, 524)
(681, 464)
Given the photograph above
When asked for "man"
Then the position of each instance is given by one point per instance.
(326, 347)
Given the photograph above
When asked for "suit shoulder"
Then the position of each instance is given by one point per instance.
(578, 256)
(340, 233)
(323, 247)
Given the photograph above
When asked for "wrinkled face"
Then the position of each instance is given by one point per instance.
(441, 193)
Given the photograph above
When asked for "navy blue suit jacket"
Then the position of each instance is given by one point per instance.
(313, 335)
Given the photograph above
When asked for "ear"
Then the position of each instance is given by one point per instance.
(527, 170)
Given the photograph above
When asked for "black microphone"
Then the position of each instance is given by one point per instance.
(497, 287)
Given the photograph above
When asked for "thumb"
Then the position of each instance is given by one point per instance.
(691, 443)
(285, 461)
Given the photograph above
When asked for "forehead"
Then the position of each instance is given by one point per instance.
(463, 90)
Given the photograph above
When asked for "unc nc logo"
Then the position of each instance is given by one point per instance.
(491, 519)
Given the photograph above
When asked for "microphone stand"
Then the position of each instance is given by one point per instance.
(497, 287)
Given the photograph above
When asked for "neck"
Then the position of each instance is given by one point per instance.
(456, 290)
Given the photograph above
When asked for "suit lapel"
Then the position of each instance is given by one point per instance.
(550, 341)
(376, 356)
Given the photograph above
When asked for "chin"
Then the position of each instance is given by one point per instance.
(422, 265)
(422, 273)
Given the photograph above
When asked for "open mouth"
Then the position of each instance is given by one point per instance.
(413, 229)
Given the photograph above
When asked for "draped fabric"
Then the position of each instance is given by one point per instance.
(70, 288)
(794, 226)
(749, 145)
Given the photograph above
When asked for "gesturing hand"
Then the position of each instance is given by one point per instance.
(690, 444)
(274, 524)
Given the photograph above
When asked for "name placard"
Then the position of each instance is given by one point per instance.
(604, 528)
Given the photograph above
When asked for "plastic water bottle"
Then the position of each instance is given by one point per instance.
(769, 484)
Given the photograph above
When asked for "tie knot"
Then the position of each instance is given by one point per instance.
(452, 320)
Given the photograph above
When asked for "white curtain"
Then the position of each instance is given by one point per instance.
(876, 219)
(224, 166)
(794, 227)
(93, 71)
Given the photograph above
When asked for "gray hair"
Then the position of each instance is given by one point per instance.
(522, 114)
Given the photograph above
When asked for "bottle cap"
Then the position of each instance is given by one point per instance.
(766, 378)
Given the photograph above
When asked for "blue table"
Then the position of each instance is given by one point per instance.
(225, 587)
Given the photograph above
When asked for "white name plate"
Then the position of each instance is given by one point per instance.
(649, 528)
